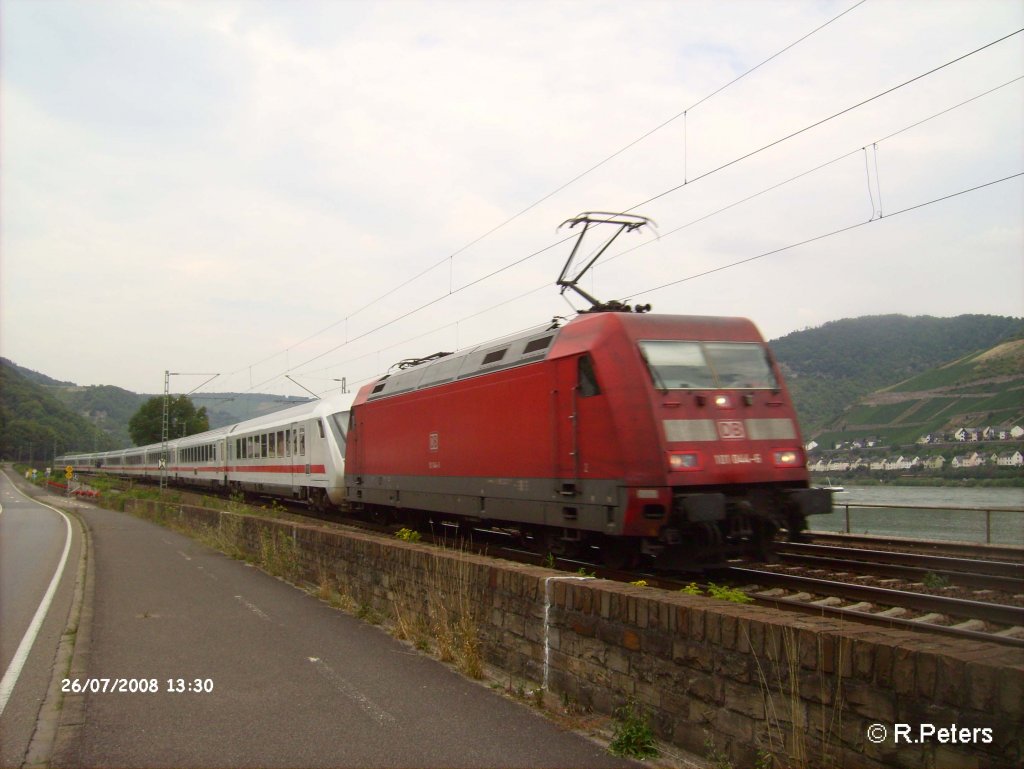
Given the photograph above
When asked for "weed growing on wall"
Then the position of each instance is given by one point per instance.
(728, 593)
(786, 716)
(278, 554)
(408, 535)
(717, 591)
(632, 734)
(226, 536)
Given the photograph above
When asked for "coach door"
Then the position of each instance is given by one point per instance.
(295, 470)
(587, 462)
(564, 438)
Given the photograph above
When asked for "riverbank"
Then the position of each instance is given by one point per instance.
(964, 482)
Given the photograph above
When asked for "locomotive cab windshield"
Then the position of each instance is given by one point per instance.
(678, 365)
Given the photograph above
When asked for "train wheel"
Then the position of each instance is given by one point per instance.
(318, 500)
(620, 553)
(380, 515)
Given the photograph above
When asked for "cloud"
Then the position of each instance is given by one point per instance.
(214, 183)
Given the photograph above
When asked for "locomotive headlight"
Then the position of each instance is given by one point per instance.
(723, 401)
(788, 458)
(683, 461)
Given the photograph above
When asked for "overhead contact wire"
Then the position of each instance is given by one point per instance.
(823, 121)
(558, 189)
(825, 235)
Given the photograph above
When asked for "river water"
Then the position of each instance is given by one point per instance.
(931, 512)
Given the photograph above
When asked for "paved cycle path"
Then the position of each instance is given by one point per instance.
(219, 664)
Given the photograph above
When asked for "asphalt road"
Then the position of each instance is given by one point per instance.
(294, 682)
(32, 543)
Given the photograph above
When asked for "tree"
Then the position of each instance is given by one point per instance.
(182, 419)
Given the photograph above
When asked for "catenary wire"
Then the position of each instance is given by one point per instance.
(825, 235)
(720, 268)
(638, 205)
(823, 121)
(564, 240)
(813, 170)
(699, 219)
(554, 192)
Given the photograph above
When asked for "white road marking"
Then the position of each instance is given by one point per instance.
(374, 711)
(25, 647)
(253, 608)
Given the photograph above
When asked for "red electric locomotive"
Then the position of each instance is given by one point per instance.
(664, 436)
(660, 435)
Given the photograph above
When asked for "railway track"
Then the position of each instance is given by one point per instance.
(980, 620)
(1009, 553)
(967, 618)
(1002, 576)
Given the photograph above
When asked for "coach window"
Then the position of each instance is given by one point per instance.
(281, 445)
(263, 446)
(273, 445)
(302, 441)
(288, 443)
(587, 381)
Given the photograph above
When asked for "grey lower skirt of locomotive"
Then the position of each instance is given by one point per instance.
(709, 527)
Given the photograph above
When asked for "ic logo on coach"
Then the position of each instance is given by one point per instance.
(731, 431)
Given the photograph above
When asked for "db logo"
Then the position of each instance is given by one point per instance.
(731, 431)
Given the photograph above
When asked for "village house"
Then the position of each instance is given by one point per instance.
(967, 434)
(968, 460)
(1008, 459)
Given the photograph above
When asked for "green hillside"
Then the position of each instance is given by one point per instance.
(830, 368)
(982, 389)
(107, 407)
(34, 423)
(37, 410)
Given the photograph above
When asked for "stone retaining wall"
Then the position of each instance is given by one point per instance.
(716, 678)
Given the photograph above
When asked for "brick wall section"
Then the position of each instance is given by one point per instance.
(743, 679)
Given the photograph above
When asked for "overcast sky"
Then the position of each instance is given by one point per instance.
(236, 187)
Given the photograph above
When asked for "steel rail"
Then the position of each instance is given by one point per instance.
(935, 562)
(882, 620)
(1008, 553)
(1000, 614)
(978, 574)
